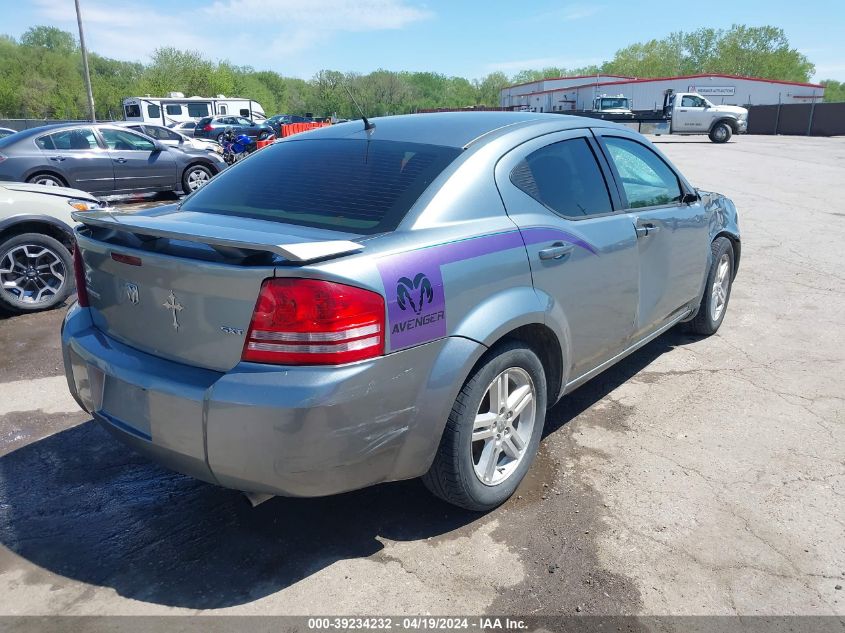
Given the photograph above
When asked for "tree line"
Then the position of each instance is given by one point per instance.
(40, 75)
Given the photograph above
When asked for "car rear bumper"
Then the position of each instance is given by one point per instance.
(296, 431)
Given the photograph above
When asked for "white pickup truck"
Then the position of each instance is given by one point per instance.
(683, 113)
(690, 113)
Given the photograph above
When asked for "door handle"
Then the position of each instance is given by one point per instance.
(57, 158)
(120, 160)
(645, 229)
(558, 250)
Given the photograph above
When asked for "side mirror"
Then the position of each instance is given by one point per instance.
(690, 198)
(160, 147)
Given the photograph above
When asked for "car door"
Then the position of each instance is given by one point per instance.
(138, 164)
(693, 114)
(582, 252)
(76, 154)
(671, 226)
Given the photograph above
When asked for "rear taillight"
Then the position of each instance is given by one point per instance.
(2, 157)
(207, 128)
(79, 276)
(312, 322)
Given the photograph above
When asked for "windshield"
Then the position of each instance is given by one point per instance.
(607, 104)
(350, 185)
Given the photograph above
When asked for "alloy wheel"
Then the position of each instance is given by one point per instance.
(31, 274)
(197, 178)
(721, 284)
(503, 426)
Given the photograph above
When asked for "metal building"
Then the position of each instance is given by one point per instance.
(557, 94)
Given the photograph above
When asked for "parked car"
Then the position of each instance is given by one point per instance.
(5, 131)
(368, 305)
(215, 127)
(103, 159)
(278, 120)
(184, 127)
(36, 241)
(172, 138)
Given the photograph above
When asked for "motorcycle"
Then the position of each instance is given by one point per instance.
(237, 147)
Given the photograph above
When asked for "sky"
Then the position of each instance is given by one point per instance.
(458, 37)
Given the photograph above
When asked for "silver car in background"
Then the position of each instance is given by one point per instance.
(103, 159)
(368, 303)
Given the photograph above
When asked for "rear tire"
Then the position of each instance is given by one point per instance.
(717, 291)
(41, 269)
(721, 133)
(48, 180)
(490, 440)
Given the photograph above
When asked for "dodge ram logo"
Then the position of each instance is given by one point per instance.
(414, 293)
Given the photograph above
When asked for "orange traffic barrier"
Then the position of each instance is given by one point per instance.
(296, 128)
(264, 143)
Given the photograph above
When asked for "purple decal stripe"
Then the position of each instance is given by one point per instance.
(413, 281)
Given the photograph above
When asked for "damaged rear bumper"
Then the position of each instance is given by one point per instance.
(295, 431)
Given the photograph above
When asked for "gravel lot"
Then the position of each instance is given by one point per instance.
(696, 477)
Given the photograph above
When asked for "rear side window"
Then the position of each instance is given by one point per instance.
(133, 110)
(76, 139)
(349, 185)
(153, 111)
(646, 179)
(173, 108)
(566, 178)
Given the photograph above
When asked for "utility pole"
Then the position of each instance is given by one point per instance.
(91, 112)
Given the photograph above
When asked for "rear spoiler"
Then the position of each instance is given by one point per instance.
(217, 236)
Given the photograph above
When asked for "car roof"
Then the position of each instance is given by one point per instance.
(452, 129)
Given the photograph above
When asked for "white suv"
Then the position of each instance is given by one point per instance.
(36, 241)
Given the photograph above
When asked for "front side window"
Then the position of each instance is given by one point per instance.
(123, 140)
(76, 139)
(564, 177)
(646, 179)
(244, 112)
(690, 101)
(153, 111)
(244, 122)
(353, 185)
(161, 133)
(173, 108)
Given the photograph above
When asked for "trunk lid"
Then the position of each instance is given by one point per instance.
(183, 286)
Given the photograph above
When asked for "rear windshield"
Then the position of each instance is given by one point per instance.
(349, 185)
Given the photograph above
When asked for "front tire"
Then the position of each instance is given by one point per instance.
(195, 177)
(493, 431)
(721, 133)
(717, 292)
(36, 273)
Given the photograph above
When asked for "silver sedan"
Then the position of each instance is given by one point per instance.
(387, 299)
